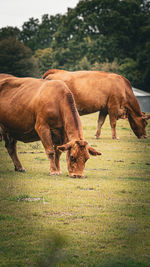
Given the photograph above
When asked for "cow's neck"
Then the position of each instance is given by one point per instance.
(134, 117)
(133, 105)
(71, 120)
(72, 132)
(135, 112)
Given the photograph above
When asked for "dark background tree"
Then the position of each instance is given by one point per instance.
(7, 32)
(112, 35)
(38, 35)
(16, 58)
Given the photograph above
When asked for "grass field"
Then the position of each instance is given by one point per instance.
(102, 220)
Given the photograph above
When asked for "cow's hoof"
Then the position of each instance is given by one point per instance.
(115, 138)
(143, 136)
(97, 136)
(54, 173)
(20, 170)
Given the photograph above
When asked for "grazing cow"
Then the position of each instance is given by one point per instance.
(36, 109)
(108, 93)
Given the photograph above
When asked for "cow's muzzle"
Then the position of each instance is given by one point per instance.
(143, 136)
(73, 175)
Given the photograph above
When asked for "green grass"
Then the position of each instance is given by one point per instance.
(102, 220)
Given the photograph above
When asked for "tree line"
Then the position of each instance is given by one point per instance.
(107, 35)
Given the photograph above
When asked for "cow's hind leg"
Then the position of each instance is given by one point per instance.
(101, 120)
(113, 120)
(11, 145)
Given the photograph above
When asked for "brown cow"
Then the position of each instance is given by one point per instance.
(108, 93)
(36, 109)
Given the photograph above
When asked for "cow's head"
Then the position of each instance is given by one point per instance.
(139, 124)
(77, 154)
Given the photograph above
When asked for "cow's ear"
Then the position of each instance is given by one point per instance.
(146, 117)
(64, 147)
(93, 151)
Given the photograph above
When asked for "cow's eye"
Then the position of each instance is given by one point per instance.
(72, 158)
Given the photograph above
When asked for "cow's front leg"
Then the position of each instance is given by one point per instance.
(11, 145)
(44, 133)
(57, 160)
(53, 168)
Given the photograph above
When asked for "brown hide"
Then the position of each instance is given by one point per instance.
(36, 109)
(108, 93)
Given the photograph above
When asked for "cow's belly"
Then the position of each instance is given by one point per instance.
(30, 136)
(20, 128)
(90, 106)
(87, 110)
(24, 136)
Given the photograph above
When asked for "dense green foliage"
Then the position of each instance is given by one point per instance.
(16, 58)
(94, 34)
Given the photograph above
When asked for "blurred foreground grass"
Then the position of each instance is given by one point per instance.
(102, 220)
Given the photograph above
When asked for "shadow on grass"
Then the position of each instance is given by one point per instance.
(52, 249)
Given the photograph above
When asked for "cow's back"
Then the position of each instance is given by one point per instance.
(11, 85)
(92, 90)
